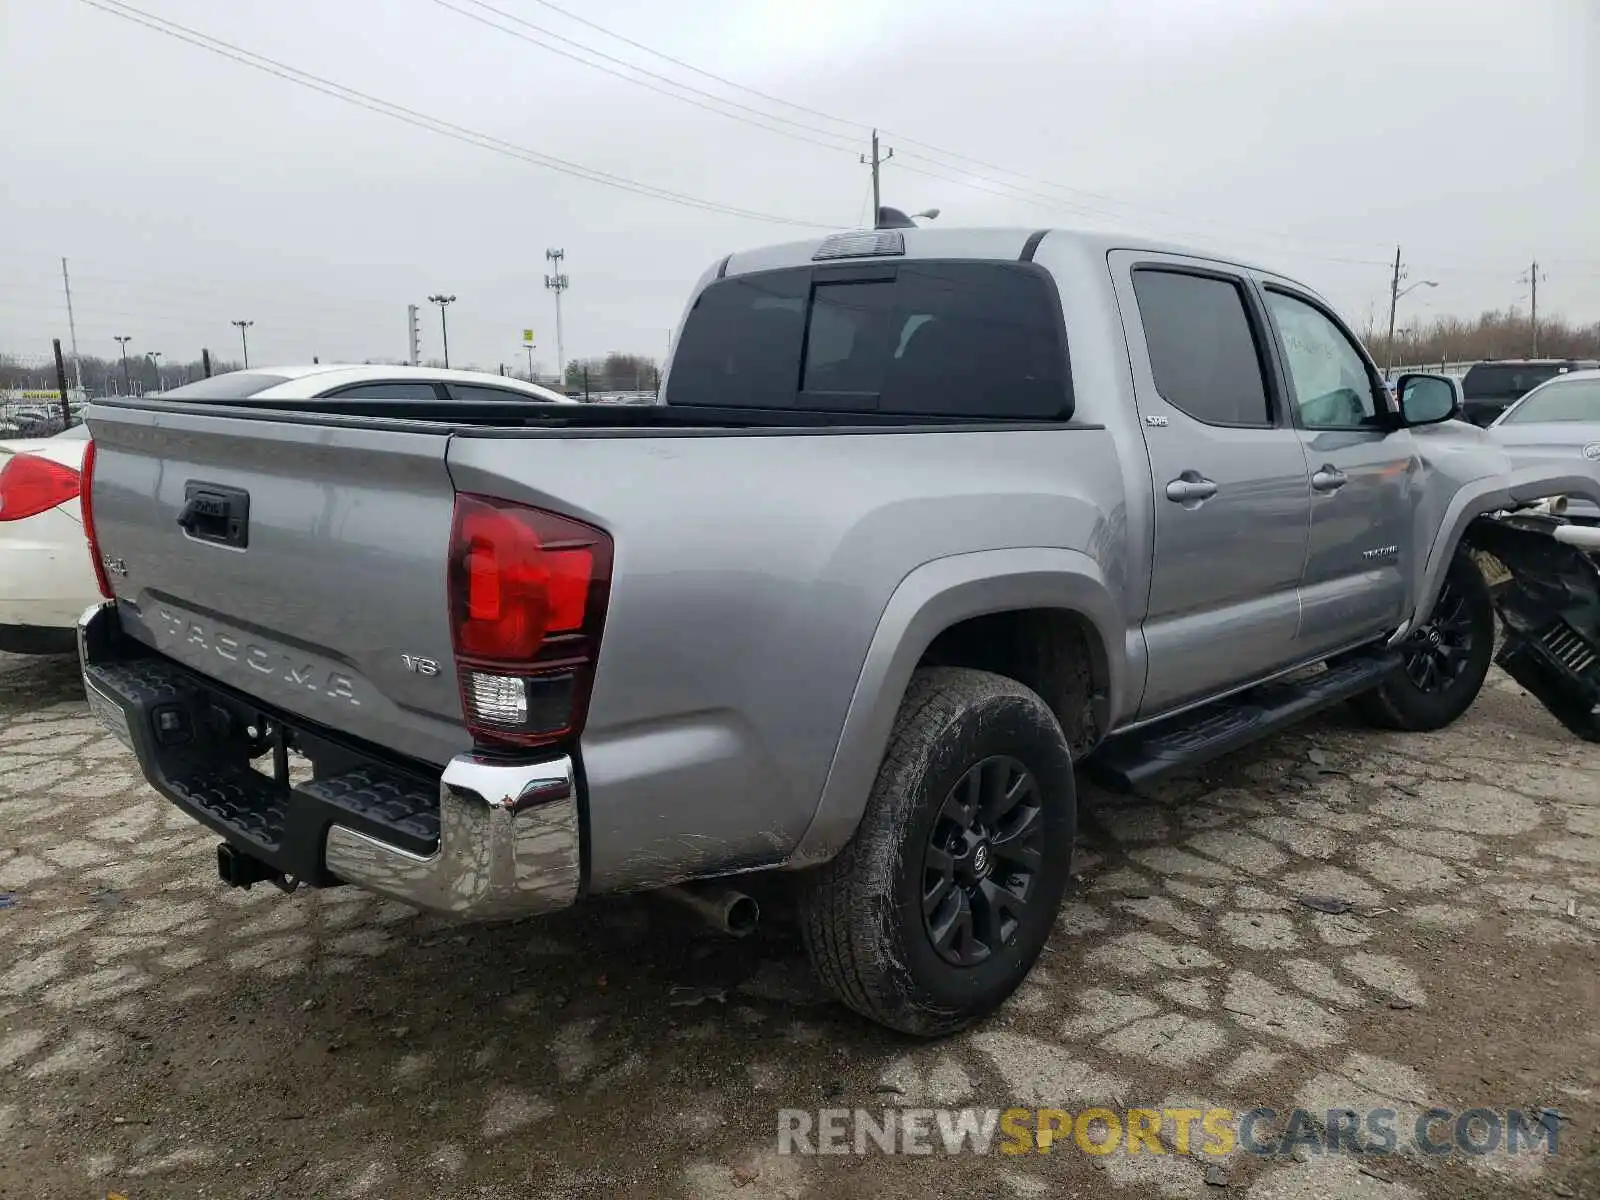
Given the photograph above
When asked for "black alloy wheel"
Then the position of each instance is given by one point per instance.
(1438, 652)
(981, 858)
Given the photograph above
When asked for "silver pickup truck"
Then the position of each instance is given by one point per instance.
(927, 518)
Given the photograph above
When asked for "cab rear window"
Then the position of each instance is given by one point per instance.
(935, 339)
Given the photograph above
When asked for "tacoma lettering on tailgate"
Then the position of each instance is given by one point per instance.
(265, 659)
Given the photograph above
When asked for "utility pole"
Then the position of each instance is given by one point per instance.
(876, 163)
(441, 300)
(122, 340)
(244, 340)
(414, 335)
(72, 326)
(155, 362)
(1394, 303)
(1532, 280)
(557, 283)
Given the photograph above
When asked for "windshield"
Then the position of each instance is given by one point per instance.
(1568, 400)
(1506, 379)
(235, 385)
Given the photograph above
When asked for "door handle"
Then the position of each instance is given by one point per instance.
(1190, 488)
(1329, 479)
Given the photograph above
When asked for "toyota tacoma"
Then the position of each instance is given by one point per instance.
(926, 519)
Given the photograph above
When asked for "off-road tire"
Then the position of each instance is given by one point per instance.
(862, 913)
(1399, 703)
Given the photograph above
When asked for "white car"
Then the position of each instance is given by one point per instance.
(374, 382)
(46, 578)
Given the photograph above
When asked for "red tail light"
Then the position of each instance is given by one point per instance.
(30, 485)
(528, 593)
(86, 503)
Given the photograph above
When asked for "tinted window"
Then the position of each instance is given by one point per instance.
(1570, 400)
(847, 342)
(478, 392)
(1506, 379)
(938, 339)
(235, 385)
(413, 389)
(740, 346)
(1332, 386)
(1203, 351)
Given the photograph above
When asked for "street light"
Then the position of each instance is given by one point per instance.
(122, 340)
(441, 300)
(244, 340)
(928, 214)
(154, 357)
(1394, 303)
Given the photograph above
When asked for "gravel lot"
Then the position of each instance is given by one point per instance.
(161, 1036)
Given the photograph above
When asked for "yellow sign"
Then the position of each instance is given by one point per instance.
(527, 336)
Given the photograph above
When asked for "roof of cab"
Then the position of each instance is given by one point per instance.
(977, 242)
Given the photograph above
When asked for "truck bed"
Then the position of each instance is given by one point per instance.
(754, 552)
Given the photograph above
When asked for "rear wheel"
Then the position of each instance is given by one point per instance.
(935, 911)
(1446, 658)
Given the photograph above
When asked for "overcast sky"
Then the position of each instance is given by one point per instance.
(188, 190)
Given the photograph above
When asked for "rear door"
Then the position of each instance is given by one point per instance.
(308, 567)
(1231, 505)
(1364, 474)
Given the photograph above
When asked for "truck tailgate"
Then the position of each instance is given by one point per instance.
(309, 572)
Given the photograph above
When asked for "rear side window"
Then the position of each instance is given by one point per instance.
(1203, 350)
(410, 389)
(235, 385)
(476, 392)
(955, 339)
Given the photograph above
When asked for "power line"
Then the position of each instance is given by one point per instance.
(665, 91)
(399, 112)
(678, 62)
(932, 155)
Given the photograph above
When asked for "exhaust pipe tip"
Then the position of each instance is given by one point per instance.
(742, 915)
(725, 909)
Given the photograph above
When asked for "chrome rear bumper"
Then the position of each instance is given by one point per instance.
(508, 844)
(508, 840)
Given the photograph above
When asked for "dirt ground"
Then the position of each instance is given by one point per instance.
(161, 1036)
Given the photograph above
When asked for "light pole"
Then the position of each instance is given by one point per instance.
(155, 361)
(244, 340)
(441, 300)
(122, 340)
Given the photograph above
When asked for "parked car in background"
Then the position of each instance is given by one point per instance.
(1558, 420)
(358, 382)
(1489, 388)
(46, 577)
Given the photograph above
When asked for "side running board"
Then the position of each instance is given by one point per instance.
(1132, 761)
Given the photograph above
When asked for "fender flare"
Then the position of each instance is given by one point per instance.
(1523, 485)
(929, 600)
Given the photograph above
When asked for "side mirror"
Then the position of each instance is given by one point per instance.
(1427, 399)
